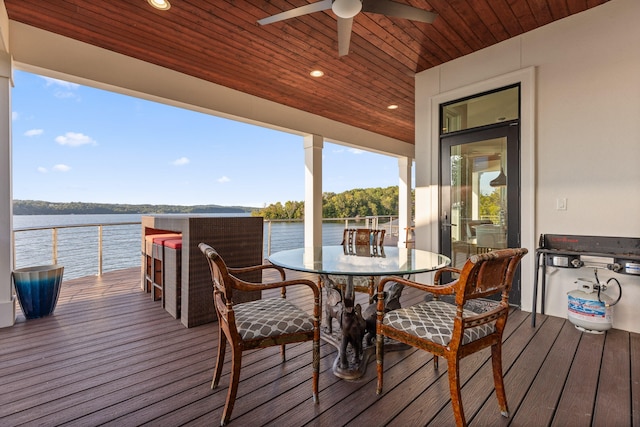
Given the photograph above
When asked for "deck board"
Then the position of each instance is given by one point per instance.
(614, 381)
(635, 377)
(112, 356)
(575, 407)
(542, 397)
(518, 371)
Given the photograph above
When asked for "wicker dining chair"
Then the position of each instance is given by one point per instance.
(452, 330)
(363, 242)
(363, 237)
(258, 324)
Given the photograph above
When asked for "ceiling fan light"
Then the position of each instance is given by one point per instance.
(346, 8)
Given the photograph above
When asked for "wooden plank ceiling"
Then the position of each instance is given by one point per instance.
(220, 41)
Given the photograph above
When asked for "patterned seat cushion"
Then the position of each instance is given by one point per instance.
(433, 320)
(270, 317)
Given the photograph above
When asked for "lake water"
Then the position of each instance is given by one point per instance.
(77, 247)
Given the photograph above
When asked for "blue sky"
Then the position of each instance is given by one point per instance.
(74, 143)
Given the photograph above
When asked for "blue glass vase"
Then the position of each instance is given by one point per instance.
(38, 289)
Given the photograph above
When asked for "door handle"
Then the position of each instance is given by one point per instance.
(445, 218)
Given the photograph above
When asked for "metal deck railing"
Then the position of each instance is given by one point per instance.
(95, 248)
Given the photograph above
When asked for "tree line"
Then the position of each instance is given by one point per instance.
(348, 204)
(39, 207)
(362, 202)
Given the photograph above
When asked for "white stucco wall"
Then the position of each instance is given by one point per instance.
(583, 143)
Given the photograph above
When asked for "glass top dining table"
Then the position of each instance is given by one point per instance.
(367, 261)
(354, 262)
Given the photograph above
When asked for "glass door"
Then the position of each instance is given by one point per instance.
(479, 193)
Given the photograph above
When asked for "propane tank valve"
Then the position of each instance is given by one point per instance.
(585, 285)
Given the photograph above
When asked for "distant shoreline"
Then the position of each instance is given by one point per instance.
(39, 207)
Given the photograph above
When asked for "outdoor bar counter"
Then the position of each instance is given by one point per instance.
(239, 240)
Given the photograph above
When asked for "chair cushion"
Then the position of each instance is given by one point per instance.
(173, 243)
(150, 240)
(270, 317)
(160, 238)
(433, 320)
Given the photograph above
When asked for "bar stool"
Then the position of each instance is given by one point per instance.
(154, 247)
(172, 267)
(159, 255)
(153, 267)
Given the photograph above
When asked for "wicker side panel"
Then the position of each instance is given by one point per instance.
(159, 269)
(238, 240)
(172, 286)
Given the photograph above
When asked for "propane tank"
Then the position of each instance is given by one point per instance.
(590, 310)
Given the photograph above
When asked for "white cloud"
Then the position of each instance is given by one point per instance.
(75, 139)
(14, 116)
(61, 168)
(34, 132)
(62, 89)
(181, 161)
(42, 170)
(62, 94)
(224, 179)
(348, 150)
(62, 83)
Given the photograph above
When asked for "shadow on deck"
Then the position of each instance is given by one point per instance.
(112, 356)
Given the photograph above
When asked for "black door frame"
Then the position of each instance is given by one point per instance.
(510, 130)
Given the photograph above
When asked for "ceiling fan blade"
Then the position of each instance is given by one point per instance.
(298, 11)
(398, 10)
(344, 35)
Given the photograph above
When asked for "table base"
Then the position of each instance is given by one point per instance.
(339, 304)
(356, 368)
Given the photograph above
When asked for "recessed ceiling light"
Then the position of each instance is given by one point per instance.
(160, 4)
(316, 73)
(392, 107)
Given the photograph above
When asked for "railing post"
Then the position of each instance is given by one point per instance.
(100, 250)
(269, 237)
(13, 249)
(54, 249)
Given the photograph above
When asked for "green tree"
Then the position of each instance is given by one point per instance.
(490, 204)
(348, 204)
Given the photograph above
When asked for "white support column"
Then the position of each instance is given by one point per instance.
(7, 301)
(313, 145)
(404, 199)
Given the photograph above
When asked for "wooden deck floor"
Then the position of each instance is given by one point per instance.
(112, 356)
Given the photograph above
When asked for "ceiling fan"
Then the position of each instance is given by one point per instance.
(345, 10)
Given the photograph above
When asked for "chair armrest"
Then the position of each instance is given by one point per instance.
(448, 289)
(261, 267)
(439, 272)
(248, 286)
